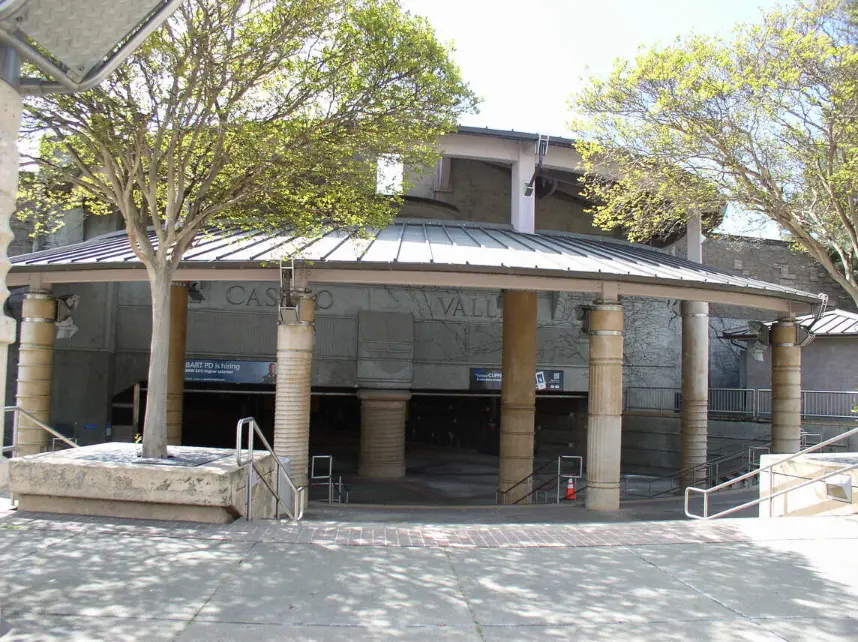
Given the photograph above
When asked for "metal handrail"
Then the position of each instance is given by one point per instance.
(296, 511)
(525, 480)
(16, 420)
(555, 477)
(710, 468)
(580, 489)
(705, 492)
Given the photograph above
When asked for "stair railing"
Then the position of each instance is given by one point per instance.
(16, 420)
(295, 510)
(555, 478)
(706, 492)
(709, 471)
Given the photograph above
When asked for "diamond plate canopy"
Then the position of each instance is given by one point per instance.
(78, 33)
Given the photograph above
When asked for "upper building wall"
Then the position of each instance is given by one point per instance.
(480, 191)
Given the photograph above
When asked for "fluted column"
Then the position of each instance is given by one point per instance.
(35, 370)
(695, 390)
(292, 390)
(176, 361)
(605, 400)
(518, 392)
(382, 432)
(786, 387)
(10, 121)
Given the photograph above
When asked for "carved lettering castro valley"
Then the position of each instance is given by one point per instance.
(465, 306)
(253, 297)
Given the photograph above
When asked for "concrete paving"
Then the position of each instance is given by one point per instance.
(68, 578)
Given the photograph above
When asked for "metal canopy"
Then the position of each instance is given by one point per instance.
(833, 323)
(412, 246)
(78, 42)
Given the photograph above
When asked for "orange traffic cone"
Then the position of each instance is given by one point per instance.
(570, 489)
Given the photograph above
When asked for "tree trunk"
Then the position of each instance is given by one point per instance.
(155, 421)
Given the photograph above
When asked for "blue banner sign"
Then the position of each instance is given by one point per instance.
(231, 371)
(490, 379)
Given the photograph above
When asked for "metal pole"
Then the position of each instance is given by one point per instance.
(15, 415)
(771, 491)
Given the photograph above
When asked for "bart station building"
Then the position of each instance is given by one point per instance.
(490, 317)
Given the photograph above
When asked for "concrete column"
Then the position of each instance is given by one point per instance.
(786, 387)
(292, 390)
(382, 432)
(35, 370)
(518, 392)
(522, 206)
(176, 361)
(10, 122)
(604, 428)
(695, 389)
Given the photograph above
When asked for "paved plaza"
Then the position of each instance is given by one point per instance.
(71, 578)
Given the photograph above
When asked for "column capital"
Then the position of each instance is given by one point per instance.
(784, 334)
(41, 294)
(694, 308)
(297, 307)
(39, 307)
(606, 304)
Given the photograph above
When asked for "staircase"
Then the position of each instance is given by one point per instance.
(723, 468)
(838, 485)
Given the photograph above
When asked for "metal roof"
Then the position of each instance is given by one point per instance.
(511, 134)
(427, 245)
(833, 323)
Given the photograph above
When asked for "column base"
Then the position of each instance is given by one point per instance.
(607, 498)
(382, 438)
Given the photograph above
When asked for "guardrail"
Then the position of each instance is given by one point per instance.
(745, 402)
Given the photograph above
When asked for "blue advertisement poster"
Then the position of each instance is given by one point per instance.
(230, 371)
(490, 379)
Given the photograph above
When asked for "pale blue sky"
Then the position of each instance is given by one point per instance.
(525, 58)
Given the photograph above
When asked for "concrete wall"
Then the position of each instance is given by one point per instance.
(453, 331)
(828, 363)
(480, 192)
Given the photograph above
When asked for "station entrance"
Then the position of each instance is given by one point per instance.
(452, 437)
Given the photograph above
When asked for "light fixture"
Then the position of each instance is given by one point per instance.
(77, 43)
(839, 488)
(195, 292)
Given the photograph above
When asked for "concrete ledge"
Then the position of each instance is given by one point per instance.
(84, 481)
(810, 500)
(134, 510)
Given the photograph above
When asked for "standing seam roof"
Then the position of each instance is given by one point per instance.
(419, 243)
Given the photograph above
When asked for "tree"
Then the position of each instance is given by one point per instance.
(766, 121)
(257, 114)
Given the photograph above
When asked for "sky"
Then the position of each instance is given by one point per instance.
(525, 58)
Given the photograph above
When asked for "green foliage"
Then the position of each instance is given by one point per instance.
(766, 120)
(251, 113)
(257, 114)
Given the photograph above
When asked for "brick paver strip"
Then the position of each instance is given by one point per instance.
(452, 536)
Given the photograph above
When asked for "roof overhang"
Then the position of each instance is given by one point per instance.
(436, 254)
